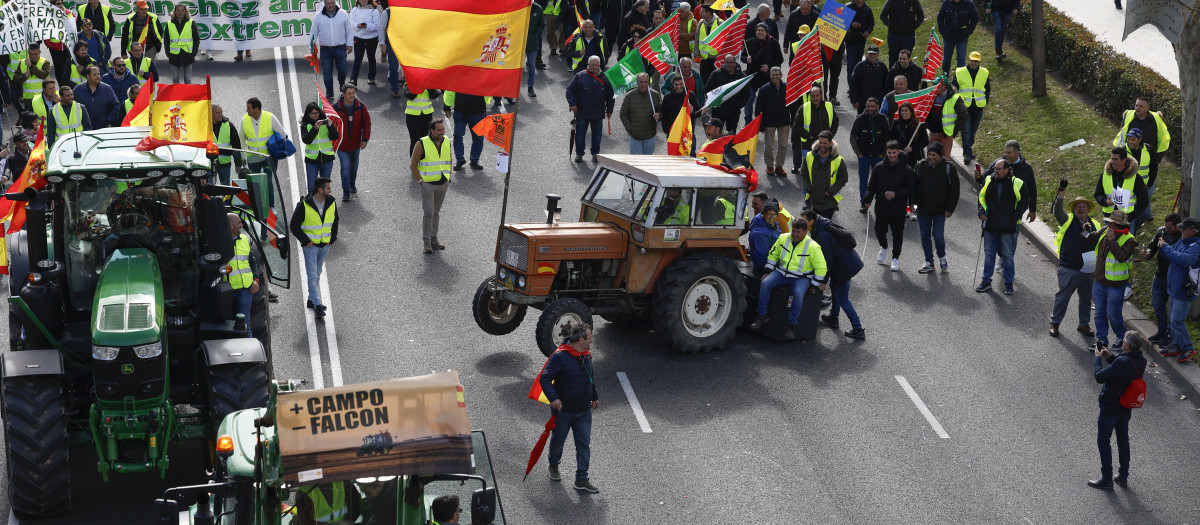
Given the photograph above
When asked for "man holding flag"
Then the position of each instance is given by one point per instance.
(726, 92)
(588, 44)
(590, 96)
(640, 113)
(568, 382)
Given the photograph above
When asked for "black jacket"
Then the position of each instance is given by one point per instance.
(818, 121)
(866, 19)
(671, 104)
(1139, 187)
(914, 130)
(631, 19)
(1115, 377)
(837, 261)
(1004, 6)
(752, 26)
(770, 104)
(937, 187)
(298, 219)
(902, 17)
(869, 80)
(1004, 207)
(1160, 271)
(912, 74)
(890, 177)
(869, 134)
(956, 21)
(718, 78)
(794, 21)
(758, 53)
(570, 379)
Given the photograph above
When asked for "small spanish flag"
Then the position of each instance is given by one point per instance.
(464, 46)
(535, 391)
(498, 129)
(744, 144)
(14, 211)
(679, 142)
(139, 112)
(180, 115)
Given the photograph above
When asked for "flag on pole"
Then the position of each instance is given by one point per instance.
(498, 129)
(482, 55)
(718, 96)
(743, 144)
(921, 100)
(314, 58)
(934, 53)
(139, 112)
(723, 5)
(180, 115)
(679, 141)
(332, 115)
(14, 211)
(578, 25)
(659, 46)
(726, 38)
(805, 69)
(623, 76)
(833, 22)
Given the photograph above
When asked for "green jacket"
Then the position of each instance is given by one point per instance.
(637, 110)
(537, 24)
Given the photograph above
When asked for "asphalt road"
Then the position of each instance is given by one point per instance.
(761, 432)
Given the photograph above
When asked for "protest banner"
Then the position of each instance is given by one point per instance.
(833, 21)
(12, 29)
(232, 25)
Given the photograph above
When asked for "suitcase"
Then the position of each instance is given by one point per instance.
(778, 308)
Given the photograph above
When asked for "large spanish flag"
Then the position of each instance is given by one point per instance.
(181, 114)
(465, 46)
(13, 212)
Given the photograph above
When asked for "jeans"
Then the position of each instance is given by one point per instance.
(184, 71)
(1179, 334)
(854, 55)
(1109, 301)
(581, 133)
(841, 300)
(1137, 223)
(348, 168)
(864, 174)
(950, 49)
(748, 111)
(1078, 283)
(1001, 21)
(364, 46)
(641, 147)
(393, 68)
(462, 125)
(223, 172)
(775, 278)
(933, 228)
(897, 43)
(1105, 425)
(324, 169)
(974, 117)
(1158, 301)
(580, 425)
(530, 67)
(242, 300)
(314, 264)
(994, 243)
(331, 56)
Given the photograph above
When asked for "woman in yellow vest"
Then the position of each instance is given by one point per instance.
(318, 134)
(183, 42)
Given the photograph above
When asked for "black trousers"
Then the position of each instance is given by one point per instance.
(418, 126)
(62, 62)
(833, 69)
(896, 224)
(365, 46)
(707, 66)
(828, 214)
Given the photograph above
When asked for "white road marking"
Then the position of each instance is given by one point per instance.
(912, 394)
(633, 403)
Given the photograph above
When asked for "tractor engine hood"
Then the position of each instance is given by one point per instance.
(128, 309)
(564, 241)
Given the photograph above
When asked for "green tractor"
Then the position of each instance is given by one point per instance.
(122, 329)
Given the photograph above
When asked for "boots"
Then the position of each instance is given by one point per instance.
(759, 322)
(436, 245)
(428, 246)
(789, 331)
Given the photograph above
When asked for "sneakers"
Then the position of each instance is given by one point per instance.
(830, 321)
(436, 245)
(984, 286)
(945, 265)
(586, 486)
(895, 265)
(759, 322)
(459, 165)
(1170, 351)
(1008, 289)
(856, 333)
(926, 268)
(789, 331)
(1128, 292)
(882, 257)
(554, 475)
(1186, 356)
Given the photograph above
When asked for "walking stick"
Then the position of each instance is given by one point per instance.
(867, 234)
(979, 252)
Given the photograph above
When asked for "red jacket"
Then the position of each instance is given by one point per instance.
(356, 123)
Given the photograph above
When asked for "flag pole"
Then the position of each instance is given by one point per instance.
(512, 144)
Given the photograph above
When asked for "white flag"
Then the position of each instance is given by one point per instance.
(718, 96)
(47, 21)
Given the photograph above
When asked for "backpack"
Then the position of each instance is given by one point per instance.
(1135, 394)
(1191, 287)
(850, 260)
(842, 236)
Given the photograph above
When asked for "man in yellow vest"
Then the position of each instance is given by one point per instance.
(225, 136)
(974, 86)
(67, 116)
(822, 175)
(552, 11)
(315, 226)
(1115, 247)
(336, 502)
(240, 272)
(445, 510)
(706, 54)
(1154, 130)
(1120, 187)
(797, 261)
(430, 167)
(258, 126)
(29, 75)
(418, 113)
(100, 16)
(45, 102)
(813, 117)
(140, 65)
(143, 28)
(588, 43)
(1076, 260)
(1147, 171)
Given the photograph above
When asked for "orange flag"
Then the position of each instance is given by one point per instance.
(139, 112)
(14, 211)
(498, 129)
(180, 115)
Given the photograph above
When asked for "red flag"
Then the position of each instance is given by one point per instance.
(14, 211)
(921, 100)
(933, 55)
(669, 26)
(332, 115)
(139, 112)
(729, 41)
(805, 69)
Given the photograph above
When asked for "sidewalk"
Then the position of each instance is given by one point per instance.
(1146, 45)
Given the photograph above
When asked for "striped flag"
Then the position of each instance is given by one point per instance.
(332, 115)
(921, 100)
(180, 115)
(139, 112)
(679, 142)
(13, 212)
(726, 38)
(805, 68)
(718, 96)
(658, 47)
(743, 144)
(933, 55)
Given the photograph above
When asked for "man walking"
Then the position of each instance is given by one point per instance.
(466, 111)
(588, 45)
(1154, 130)
(890, 186)
(796, 261)
(946, 117)
(843, 264)
(590, 96)
(99, 99)
(640, 113)
(1114, 265)
(315, 226)
(973, 85)
(869, 79)
(569, 383)
(418, 113)
(1120, 187)
(1001, 12)
(533, 45)
(257, 126)
(430, 167)
(1000, 210)
(334, 33)
(905, 66)
(1021, 170)
(1076, 262)
(857, 35)
(813, 118)
(902, 18)
(1184, 256)
(225, 136)
(956, 22)
(1169, 233)
(823, 175)
(729, 110)
(936, 196)
(1116, 376)
(1147, 170)
(356, 132)
(868, 136)
(770, 103)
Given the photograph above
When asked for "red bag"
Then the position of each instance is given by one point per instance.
(1135, 393)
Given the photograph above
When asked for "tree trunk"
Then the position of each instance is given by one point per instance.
(1187, 55)
(1039, 49)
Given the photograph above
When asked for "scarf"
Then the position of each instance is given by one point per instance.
(574, 353)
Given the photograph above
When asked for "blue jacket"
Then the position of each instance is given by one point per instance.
(98, 48)
(842, 263)
(1116, 378)
(956, 21)
(102, 106)
(593, 97)
(120, 86)
(771, 104)
(762, 238)
(570, 379)
(1184, 255)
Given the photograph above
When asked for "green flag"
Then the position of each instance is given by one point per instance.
(623, 76)
(719, 95)
(664, 50)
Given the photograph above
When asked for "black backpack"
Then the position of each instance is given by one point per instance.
(842, 235)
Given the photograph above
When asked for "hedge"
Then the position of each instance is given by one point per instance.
(1095, 69)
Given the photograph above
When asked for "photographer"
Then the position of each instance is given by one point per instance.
(318, 135)
(1184, 255)
(1076, 259)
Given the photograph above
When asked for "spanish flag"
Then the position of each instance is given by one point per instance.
(181, 114)
(14, 211)
(744, 145)
(498, 129)
(465, 46)
(139, 112)
(679, 141)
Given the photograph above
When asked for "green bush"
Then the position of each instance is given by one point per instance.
(1095, 69)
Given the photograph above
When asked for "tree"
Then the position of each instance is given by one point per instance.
(1187, 55)
(1039, 48)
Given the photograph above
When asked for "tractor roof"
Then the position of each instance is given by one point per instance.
(672, 171)
(111, 151)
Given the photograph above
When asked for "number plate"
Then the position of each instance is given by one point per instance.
(512, 258)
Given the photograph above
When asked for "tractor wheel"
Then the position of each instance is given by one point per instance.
(698, 303)
(557, 314)
(236, 387)
(260, 320)
(626, 318)
(496, 317)
(35, 432)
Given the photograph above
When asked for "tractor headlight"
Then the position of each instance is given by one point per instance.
(521, 281)
(502, 274)
(148, 351)
(105, 353)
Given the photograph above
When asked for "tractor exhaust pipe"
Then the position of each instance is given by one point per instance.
(35, 224)
(553, 212)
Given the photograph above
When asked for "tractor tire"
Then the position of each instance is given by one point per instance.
(630, 319)
(496, 318)
(699, 302)
(556, 314)
(35, 435)
(236, 387)
(260, 320)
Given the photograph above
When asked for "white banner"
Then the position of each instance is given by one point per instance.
(240, 24)
(12, 29)
(47, 22)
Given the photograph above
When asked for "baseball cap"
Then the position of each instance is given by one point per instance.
(975, 55)
(1134, 132)
(873, 49)
(142, 4)
(716, 122)
(1190, 222)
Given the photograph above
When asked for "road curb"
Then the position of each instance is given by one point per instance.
(1038, 233)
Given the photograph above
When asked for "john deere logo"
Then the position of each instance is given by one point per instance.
(126, 369)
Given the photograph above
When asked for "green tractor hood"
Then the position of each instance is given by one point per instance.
(128, 309)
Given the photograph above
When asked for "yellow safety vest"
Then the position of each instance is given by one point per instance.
(325, 511)
(579, 48)
(1164, 136)
(833, 170)
(680, 216)
(1143, 159)
(32, 85)
(128, 105)
(553, 8)
(320, 144)
(730, 210)
(318, 230)
(76, 76)
(15, 60)
(1017, 184)
(73, 123)
(180, 41)
(256, 138)
(1062, 232)
(151, 24)
(807, 112)
(810, 262)
(707, 50)
(1115, 270)
(435, 163)
(104, 10)
(142, 72)
(1128, 184)
(39, 106)
(239, 273)
(949, 118)
(422, 105)
(973, 93)
(222, 139)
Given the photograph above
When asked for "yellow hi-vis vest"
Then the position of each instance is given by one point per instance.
(1017, 185)
(579, 48)
(1062, 232)
(320, 144)
(1128, 184)
(223, 140)
(1164, 136)
(327, 511)
(1143, 159)
(707, 50)
(808, 263)
(128, 105)
(39, 106)
(142, 71)
(422, 105)
(1113, 269)
(32, 86)
(240, 275)
(435, 162)
(14, 60)
(973, 93)
(318, 230)
(104, 10)
(64, 124)
(553, 8)
(256, 138)
(833, 170)
(180, 41)
(681, 215)
(76, 76)
(949, 117)
(806, 110)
